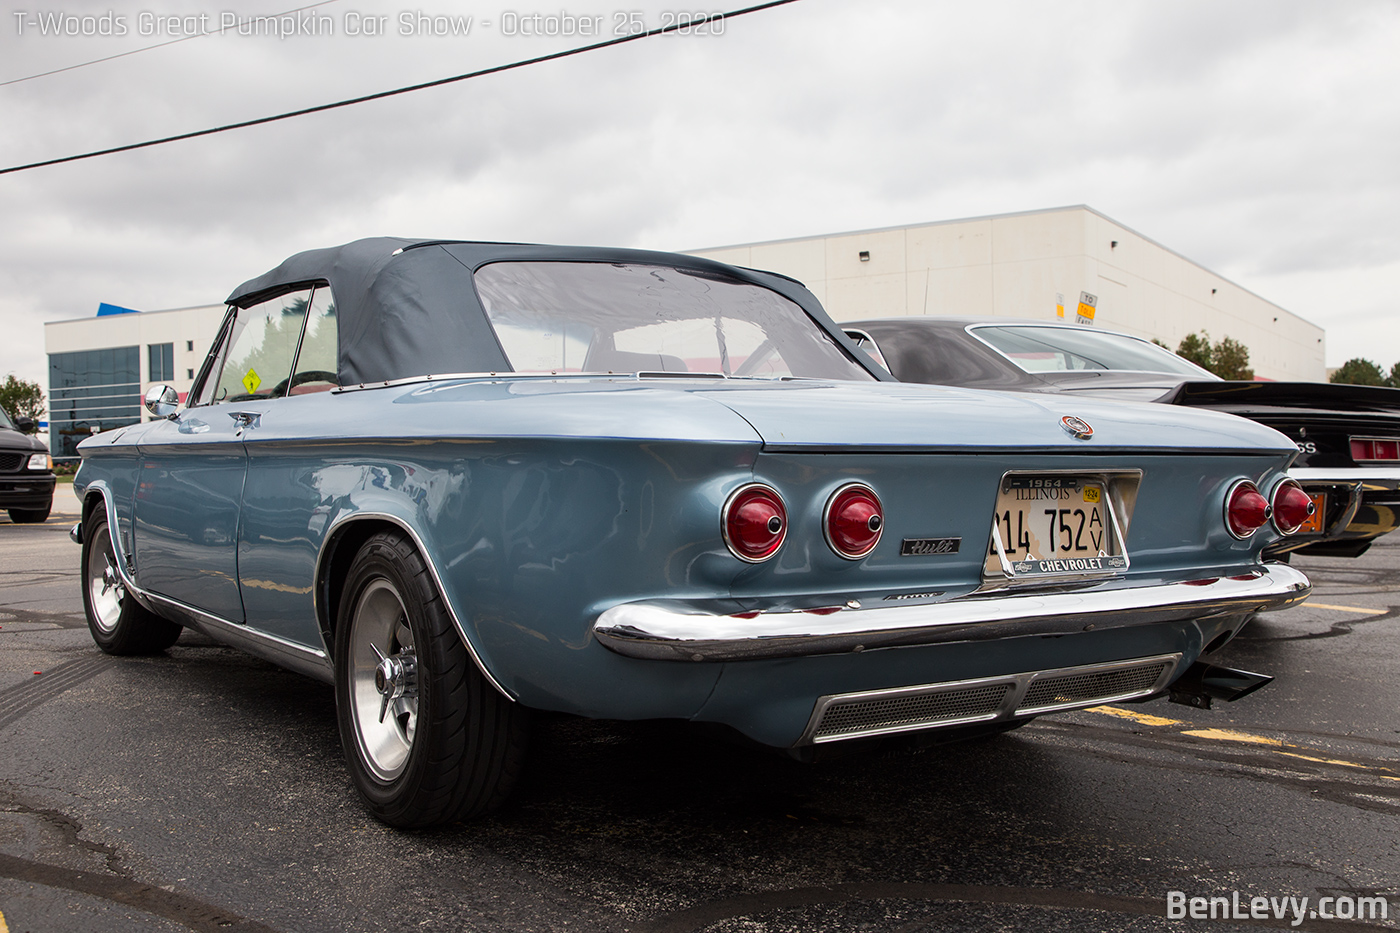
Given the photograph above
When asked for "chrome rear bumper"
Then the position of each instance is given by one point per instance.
(674, 630)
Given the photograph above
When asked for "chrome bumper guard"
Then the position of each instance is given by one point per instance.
(673, 630)
(987, 699)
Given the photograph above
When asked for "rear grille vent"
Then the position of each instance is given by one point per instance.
(892, 713)
(988, 699)
(9, 463)
(1079, 688)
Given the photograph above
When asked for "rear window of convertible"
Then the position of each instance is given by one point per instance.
(626, 318)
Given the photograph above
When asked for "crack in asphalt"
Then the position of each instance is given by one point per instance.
(1343, 627)
(69, 830)
(119, 886)
(182, 909)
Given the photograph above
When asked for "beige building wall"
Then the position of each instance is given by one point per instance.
(1015, 265)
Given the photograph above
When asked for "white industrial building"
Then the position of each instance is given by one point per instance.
(100, 367)
(1025, 265)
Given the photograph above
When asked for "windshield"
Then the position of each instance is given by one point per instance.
(1041, 349)
(601, 317)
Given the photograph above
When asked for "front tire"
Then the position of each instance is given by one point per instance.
(427, 739)
(118, 623)
(29, 516)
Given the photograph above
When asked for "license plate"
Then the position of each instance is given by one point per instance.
(1313, 526)
(1054, 525)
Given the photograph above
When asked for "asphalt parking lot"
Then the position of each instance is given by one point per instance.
(204, 790)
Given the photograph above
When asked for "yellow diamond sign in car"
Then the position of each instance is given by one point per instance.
(251, 381)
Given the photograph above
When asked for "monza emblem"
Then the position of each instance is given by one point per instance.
(1077, 427)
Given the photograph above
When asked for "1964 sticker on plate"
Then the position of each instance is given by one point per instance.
(1052, 525)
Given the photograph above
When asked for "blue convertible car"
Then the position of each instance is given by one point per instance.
(465, 481)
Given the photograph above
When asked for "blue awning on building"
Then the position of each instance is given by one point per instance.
(104, 309)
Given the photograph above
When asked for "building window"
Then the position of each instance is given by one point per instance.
(161, 361)
(91, 391)
(189, 374)
(189, 345)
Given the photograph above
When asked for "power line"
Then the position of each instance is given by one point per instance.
(159, 45)
(553, 56)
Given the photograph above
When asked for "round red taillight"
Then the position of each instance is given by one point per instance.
(853, 521)
(1292, 507)
(755, 522)
(1246, 509)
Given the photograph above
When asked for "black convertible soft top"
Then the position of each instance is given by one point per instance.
(409, 307)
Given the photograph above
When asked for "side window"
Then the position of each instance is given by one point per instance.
(316, 363)
(261, 346)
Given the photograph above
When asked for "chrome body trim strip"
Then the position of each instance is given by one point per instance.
(548, 376)
(673, 630)
(284, 653)
(1009, 708)
(432, 568)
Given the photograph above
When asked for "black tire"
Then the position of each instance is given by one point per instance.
(118, 623)
(449, 746)
(30, 516)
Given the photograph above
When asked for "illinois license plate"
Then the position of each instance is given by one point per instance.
(1054, 525)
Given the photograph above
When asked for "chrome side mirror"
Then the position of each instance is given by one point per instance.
(162, 401)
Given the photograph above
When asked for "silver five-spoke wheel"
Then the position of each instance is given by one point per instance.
(105, 590)
(384, 690)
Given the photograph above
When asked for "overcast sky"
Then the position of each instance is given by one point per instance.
(1261, 140)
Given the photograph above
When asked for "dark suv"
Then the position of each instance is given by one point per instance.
(26, 472)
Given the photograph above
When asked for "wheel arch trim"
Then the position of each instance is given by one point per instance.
(337, 531)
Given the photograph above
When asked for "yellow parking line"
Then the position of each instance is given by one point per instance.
(1325, 761)
(1230, 735)
(1142, 719)
(3, 927)
(1364, 612)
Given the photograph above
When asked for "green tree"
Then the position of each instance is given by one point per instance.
(1226, 358)
(1360, 372)
(1230, 360)
(1195, 348)
(1395, 375)
(22, 399)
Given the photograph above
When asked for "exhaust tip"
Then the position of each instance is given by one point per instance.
(1205, 682)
